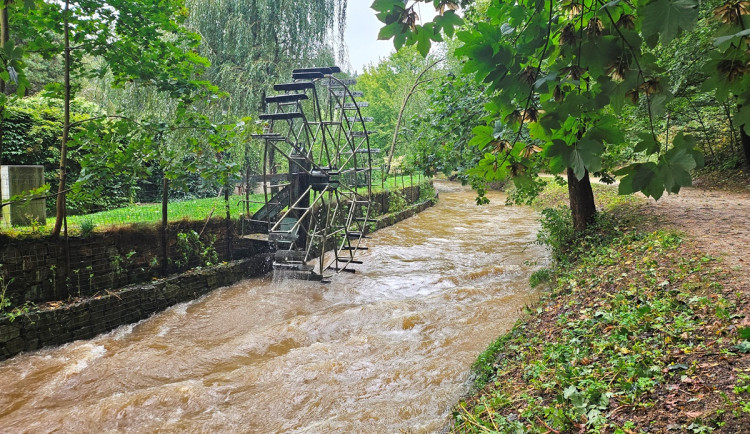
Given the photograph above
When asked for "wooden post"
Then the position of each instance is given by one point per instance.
(4, 37)
(164, 222)
(228, 220)
(411, 184)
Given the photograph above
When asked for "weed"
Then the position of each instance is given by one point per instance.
(396, 202)
(36, 226)
(426, 191)
(539, 277)
(87, 226)
(5, 302)
(20, 310)
(620, 313)
(189, 247)
(120, 262)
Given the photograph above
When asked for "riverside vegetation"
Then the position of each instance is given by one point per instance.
(640, 331)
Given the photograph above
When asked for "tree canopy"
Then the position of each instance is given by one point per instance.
(558, 76)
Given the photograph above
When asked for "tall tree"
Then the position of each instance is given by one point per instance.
(562, 71)
(389, 88)
(728, 64)
(253, 44)
(140, 41)
(11, 67)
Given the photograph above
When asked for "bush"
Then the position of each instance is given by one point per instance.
(426, 191)
(87, 227)
(538, 277)
(557, 231)
(396, 202)
(565, 244)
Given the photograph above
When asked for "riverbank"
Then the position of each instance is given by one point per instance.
(29, 327)
(641, 331)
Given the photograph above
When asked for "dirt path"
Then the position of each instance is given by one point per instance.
(719, 221)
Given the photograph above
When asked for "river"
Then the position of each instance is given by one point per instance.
(387, 349)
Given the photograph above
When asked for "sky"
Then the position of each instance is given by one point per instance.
(361, 34)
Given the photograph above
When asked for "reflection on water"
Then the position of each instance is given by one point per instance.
(383, 350)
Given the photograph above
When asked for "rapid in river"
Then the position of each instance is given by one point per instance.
(387, 349)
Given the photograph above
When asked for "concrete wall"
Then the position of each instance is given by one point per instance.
(16, 180)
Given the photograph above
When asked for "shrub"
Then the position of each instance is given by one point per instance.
(396, 202)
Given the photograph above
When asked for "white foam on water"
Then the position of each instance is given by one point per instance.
(94, 352)
(181, 309)
(121, 332)
(163, 330)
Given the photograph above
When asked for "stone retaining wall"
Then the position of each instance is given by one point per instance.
(35, 268)
(110, 309)
(90, 317)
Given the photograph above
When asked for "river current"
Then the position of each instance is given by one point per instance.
(387, 349)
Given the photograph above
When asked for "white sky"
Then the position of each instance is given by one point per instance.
(361, 34)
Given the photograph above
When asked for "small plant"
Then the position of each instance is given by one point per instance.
(21, 310)
(90, 269)
(396, 202)
(4, 301)
(36, 226)
(52, 274)
(87, 227)
(538, 277)
(189, 247)
(557, 231)
(119, 262)
(426, 192)
(77, 272)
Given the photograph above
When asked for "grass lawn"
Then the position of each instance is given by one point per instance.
(196, 209)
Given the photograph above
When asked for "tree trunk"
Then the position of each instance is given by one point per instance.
(582, 204)
(60, 205)
(4, 37)
(745, 146)
(164, 226)
(228, 219)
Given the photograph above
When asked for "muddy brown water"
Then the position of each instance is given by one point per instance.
(385, 350)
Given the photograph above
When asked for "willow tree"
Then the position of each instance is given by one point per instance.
(254, 43)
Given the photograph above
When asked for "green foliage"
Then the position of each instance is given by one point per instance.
(384, 86)
(87, 227)
(253, 44)
(5, 302)
(31, 136)
(442, 130)
(565, 243)
(558, 75)
(539, 277)
(611, 337)
(426, 191)
(556, 231)
(190, 248)
(396, 202)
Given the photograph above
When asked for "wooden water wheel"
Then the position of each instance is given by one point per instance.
(317, 174)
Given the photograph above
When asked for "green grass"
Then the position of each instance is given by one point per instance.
(395, 182)
(196, 209)
(634, 319)
(605, 196)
